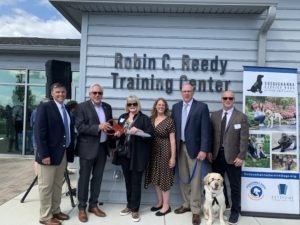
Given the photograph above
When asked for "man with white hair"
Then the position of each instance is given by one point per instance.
(92, 148)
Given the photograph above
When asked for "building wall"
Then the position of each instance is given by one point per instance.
(231, 38)
(34, 61)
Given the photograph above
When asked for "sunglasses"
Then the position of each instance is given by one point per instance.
(228, 98)
(97, 92)
(132, 104)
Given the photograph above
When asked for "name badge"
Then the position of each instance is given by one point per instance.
(237, 126)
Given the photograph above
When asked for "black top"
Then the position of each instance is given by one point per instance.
(139, 147)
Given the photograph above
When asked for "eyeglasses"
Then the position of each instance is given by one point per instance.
(97, 92)
(228, 98)
(132, 104)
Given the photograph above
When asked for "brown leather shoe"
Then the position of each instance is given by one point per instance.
(82, 216)
(182, 210)
(61, 216)
(97, 212)
(51, 221)
(196, 219)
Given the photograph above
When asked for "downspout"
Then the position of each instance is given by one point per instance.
(262, 36)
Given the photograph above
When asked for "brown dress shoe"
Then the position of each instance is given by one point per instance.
(182, 210)
(196, 219)
(51, 221)
(97, 212)
(82, 216)
(61, 216)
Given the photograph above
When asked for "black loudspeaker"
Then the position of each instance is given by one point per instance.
(58, 72)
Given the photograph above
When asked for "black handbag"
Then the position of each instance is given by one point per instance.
(122, 150)
(122, 147)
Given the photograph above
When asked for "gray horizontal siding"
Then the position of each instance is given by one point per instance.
(200, 38)
(230, 37)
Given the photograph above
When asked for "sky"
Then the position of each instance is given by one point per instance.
(33, 18)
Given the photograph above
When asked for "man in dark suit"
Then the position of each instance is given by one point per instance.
(192, 142)
(92, 148)
(230, 148)
(54, 135)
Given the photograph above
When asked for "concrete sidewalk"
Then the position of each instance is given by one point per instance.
(15, 213)
(12, 212)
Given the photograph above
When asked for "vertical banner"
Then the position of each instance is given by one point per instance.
(270, 175)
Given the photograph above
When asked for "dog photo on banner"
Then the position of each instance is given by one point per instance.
(270, 113)
(258, 154)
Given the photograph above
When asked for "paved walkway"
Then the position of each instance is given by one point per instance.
(15, 177)
(17, 174)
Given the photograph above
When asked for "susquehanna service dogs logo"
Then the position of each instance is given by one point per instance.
(257, 86)
(256, 190)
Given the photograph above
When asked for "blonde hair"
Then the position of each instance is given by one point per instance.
(131, 99)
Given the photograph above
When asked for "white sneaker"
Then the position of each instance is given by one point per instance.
(125, 212)
(135, 216)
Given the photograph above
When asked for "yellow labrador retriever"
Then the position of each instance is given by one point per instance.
(214, 204)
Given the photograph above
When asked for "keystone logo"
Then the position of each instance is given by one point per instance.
(282, 189)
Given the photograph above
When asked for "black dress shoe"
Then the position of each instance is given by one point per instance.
(163, 213)
(234, 217)
(154, 209)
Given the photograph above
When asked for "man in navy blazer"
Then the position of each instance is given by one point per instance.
(54, 135)
(192, 144)
(92, 148)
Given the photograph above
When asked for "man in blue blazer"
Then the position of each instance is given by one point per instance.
(92, 148)
(192, 143)
(54, 135)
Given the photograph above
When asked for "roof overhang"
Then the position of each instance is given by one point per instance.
(72, 10)
(23, 49)
(26, 45)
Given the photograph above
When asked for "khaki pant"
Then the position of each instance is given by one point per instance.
(50, 182)
(190, 192)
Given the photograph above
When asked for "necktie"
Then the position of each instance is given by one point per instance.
(66, 125)
(183, 120)
(223, 126)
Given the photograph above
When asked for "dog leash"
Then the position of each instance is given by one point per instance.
(203, 172)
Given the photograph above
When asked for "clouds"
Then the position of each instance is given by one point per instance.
(18, 22)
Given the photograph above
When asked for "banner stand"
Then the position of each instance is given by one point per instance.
(271, 215)
(270, 175)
